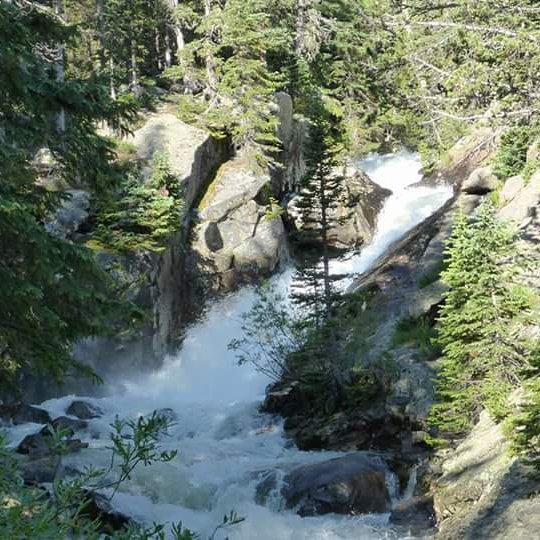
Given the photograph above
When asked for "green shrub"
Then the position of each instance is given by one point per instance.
(139, 213)
(512, 154)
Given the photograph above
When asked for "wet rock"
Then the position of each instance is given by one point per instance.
(98, 507)
(70, 425)
(22, 413)
(84, 410)
(41, 470)
(264, 488)
(284, 399)
(416, 514)
(167, 413)
(354, 484)
(40, 445)
(480, 182)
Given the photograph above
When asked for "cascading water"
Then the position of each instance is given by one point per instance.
(224, 444)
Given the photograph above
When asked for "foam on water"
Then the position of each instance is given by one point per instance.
(225, 446)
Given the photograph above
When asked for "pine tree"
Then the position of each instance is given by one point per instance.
(51, 290)
(480, 322)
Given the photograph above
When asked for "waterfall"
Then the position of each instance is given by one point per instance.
(225, 446)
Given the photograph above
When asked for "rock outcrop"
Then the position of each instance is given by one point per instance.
(355, 215)
(21, 413)
(354, 484)
(236, 239)
(484, 492)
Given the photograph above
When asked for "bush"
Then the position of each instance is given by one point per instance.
(139, 213)
(511, 157)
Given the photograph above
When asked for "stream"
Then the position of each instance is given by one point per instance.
(225, 446)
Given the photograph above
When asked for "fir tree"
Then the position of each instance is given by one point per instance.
(51, 290)
(480, 323)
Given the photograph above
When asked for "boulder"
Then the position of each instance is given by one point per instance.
(417, 514)
(71, 215)
(358, 205)
(511, 189)
(425, 300)
(480, 182)
(236, 240)
(524, 201)
(40, 471)
(84, 410)
(192, 153)
(354, 484)
(39, 445)
(98, 507)
(533, 152)
(22, 413)
(64, 423)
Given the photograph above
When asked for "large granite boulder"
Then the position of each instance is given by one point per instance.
(236, 238)
(354, 218)
(480, 182)
(192, 153)
(520, 198)
(354, 484)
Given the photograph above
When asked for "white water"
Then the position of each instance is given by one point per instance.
(223, 443)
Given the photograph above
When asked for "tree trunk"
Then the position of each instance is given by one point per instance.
(60, 68)
(100, 34)
(157, 45)
(111, 78)
(212, 81)
(168, 50)
(301, 15)
(134, 72)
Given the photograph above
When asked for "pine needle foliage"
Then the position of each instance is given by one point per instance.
(480, 323)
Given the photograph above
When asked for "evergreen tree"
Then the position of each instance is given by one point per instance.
(51, 290)
(480, 323)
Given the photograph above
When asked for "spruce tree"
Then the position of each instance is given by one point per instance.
(51, 290)
(480, 322)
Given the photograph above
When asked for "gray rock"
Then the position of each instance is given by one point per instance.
(98, 507)
(193, 154)
(235, 241)
(73, 212)
(533, 152)
(523, 203)
(355, 215)
(511, 189)
(485, 492)
(417, 514)
(480, 182)
(424, 300)
(84, 410)
(40, 471)
(22, 413)
(70, 425)
(354, 484)
(40, 445)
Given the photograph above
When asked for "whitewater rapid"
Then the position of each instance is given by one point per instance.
(225, 446)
